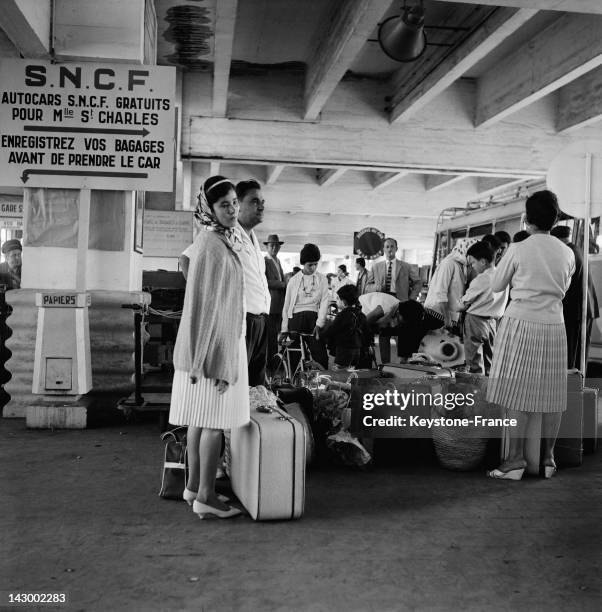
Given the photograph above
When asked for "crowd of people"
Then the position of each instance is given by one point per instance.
(238, 305)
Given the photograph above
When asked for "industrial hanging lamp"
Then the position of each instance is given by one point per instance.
(402, 37)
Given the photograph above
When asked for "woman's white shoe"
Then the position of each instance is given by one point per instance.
(189, 496)
(510, 475)
(207, 511)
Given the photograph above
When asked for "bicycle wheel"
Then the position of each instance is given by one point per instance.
(279, 372)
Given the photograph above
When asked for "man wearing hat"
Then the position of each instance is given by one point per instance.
(10, 270)
(277, 287)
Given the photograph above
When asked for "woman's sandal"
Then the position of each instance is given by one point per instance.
(510, 475)
(549, 470)
(189, 496)
(206, 511)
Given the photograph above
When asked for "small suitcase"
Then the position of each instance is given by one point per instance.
(413, 371)
(267, 469)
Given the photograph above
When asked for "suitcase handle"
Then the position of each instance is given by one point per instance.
(265, 409)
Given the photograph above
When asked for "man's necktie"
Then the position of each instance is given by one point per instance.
(388, 278)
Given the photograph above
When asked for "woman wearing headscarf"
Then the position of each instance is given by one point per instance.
(210, 387)
(528, 373)
(306, 303)
(448, 283)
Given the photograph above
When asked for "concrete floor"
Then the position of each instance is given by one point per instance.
(81, 515)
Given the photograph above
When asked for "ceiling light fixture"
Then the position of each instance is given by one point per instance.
(402, 37)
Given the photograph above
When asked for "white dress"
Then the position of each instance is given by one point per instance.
(200, 405)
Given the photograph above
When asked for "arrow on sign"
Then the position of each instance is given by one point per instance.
(41, 128)
(138, 175)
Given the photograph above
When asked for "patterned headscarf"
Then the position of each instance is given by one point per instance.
(206, 217)
(462, 246)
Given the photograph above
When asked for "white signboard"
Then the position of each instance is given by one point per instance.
(166, 232)
(84, 125)
(11, 208)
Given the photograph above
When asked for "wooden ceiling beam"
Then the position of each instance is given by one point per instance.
(580, 102)
(409, 97)
(272, 172)
(487, 186)
(27, 25)
(574, 6)
(225, 23)
(435, 182)
(570, 47)
(329, 177)
(384, 179)
(341, 39)
(442, 140)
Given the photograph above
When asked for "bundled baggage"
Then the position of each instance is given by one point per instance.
(175, 467)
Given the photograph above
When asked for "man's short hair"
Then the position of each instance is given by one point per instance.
(392, 240)
(503, 236)
(561, 231)
(244, 187)
(481, 250)
(493, 241)
(520, 236)
(361, 261)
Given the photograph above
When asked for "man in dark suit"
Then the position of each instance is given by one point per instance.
(362, 275)
(277, 287)
(572, 304)
(397, 278)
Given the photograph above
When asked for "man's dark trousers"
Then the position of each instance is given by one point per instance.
(257, 347)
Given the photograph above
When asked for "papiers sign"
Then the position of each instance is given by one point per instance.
(95, 126)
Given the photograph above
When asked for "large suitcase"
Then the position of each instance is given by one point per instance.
(267, 468)
(413, 371)
(568, 450)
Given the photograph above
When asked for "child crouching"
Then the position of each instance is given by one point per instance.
(349, 337)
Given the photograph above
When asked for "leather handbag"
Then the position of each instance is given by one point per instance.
(175, 464)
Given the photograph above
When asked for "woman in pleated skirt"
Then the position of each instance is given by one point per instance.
(210, 390)
(528, 374)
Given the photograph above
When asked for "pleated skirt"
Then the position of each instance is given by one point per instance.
(529, 369)
(200, 405)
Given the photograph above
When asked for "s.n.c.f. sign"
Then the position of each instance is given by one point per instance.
(95, 126)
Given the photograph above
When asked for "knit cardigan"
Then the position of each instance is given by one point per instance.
(212, 318)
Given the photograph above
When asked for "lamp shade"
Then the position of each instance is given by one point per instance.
(402, 37)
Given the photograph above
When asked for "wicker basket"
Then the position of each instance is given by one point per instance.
(457, 451)
(461, 448)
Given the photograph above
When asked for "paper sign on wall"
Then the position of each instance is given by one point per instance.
(166, 232)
